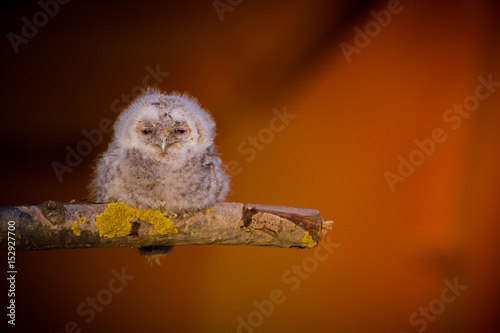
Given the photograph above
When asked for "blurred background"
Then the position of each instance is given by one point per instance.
(361, 81)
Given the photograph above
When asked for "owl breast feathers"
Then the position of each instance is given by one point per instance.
(162, 156)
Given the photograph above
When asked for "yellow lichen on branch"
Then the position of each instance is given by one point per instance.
(116, 220)
(161, 223)
(309, 240)
(76, 228)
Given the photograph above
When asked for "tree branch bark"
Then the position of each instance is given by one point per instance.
(53, 225)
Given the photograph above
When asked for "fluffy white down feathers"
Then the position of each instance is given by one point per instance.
(162, 156)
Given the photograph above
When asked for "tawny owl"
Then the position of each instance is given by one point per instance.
(162, 156)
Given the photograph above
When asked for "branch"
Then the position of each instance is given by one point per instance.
(53, 225)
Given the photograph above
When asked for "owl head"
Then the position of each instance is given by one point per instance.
(167, 127)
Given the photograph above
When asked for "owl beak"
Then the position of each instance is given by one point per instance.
(164, 145)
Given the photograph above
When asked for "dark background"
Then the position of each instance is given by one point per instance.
(352, 121)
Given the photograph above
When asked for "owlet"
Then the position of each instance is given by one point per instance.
(162, 156)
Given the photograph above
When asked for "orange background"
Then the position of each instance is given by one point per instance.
(352, 121)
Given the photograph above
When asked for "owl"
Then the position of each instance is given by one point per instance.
(162, 156)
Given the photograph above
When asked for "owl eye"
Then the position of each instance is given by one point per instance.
(147, 131)
(179, 131)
